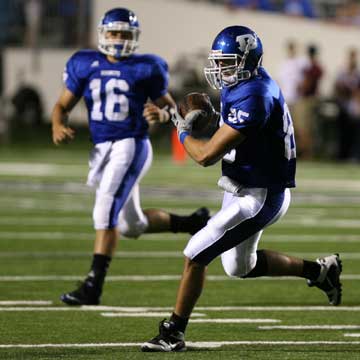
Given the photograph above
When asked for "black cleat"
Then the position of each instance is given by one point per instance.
(168, 339)
(86, 294)
(329, 278)
(198, 220)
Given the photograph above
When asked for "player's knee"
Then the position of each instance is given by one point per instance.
(235, 270)
(102, 221)
(132, 229)
(102, 211)
(240, 268)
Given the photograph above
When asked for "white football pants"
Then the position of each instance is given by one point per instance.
(234, 232)
(116, 168)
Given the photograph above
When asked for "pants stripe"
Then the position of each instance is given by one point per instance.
(244, 230)
(130, 178)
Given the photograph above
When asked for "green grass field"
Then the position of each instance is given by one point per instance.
(46, 241)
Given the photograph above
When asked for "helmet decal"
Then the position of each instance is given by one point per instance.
(248, 41)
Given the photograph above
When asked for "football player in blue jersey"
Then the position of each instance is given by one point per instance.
(255, 141)
(116, 84)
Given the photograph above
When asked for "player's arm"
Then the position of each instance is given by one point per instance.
(208, 152)
(60, 131)
(159, 110)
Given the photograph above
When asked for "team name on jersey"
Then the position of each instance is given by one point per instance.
(110, 73)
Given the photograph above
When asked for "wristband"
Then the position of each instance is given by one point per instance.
(183, 136)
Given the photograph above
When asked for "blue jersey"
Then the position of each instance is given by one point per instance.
(267, 157)
(115, 93)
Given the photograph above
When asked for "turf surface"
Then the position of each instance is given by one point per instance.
(46, 240)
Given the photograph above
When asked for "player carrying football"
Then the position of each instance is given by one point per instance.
(255, 140)
(116, 84)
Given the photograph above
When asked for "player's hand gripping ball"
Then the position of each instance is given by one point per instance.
(204, 117)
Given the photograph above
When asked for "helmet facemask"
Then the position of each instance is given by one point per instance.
(118, 47)
(227, 70)
(223, 71)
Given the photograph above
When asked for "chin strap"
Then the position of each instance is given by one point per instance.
(245, 74)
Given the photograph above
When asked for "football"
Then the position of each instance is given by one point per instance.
(198, 101)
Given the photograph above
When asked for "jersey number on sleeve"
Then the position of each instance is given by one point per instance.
(111, 100)
(231, 155)
(290, 150)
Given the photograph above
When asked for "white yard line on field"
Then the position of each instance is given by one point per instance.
(39, 220)
(20, 168)
(343, 255)
(120, 254)
(204, 344)
(233, 321)
(197, 321)
(134, 313)
(143, 314)
(25, 302)
(278, 308)
(41, 235)
(352, 334)
(290, 221)
(146, 254)
(334, 184)
(310, 327)
(199, 308)
(44, 205)
(40, 169)
(45, 221)
(320, 223)
(311, 238)
(60, 235)
(20, 278)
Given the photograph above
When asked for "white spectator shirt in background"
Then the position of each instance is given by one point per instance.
(289, 77)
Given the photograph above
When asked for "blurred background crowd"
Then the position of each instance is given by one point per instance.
(340, 11)
(326, 125)
(54, 22)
